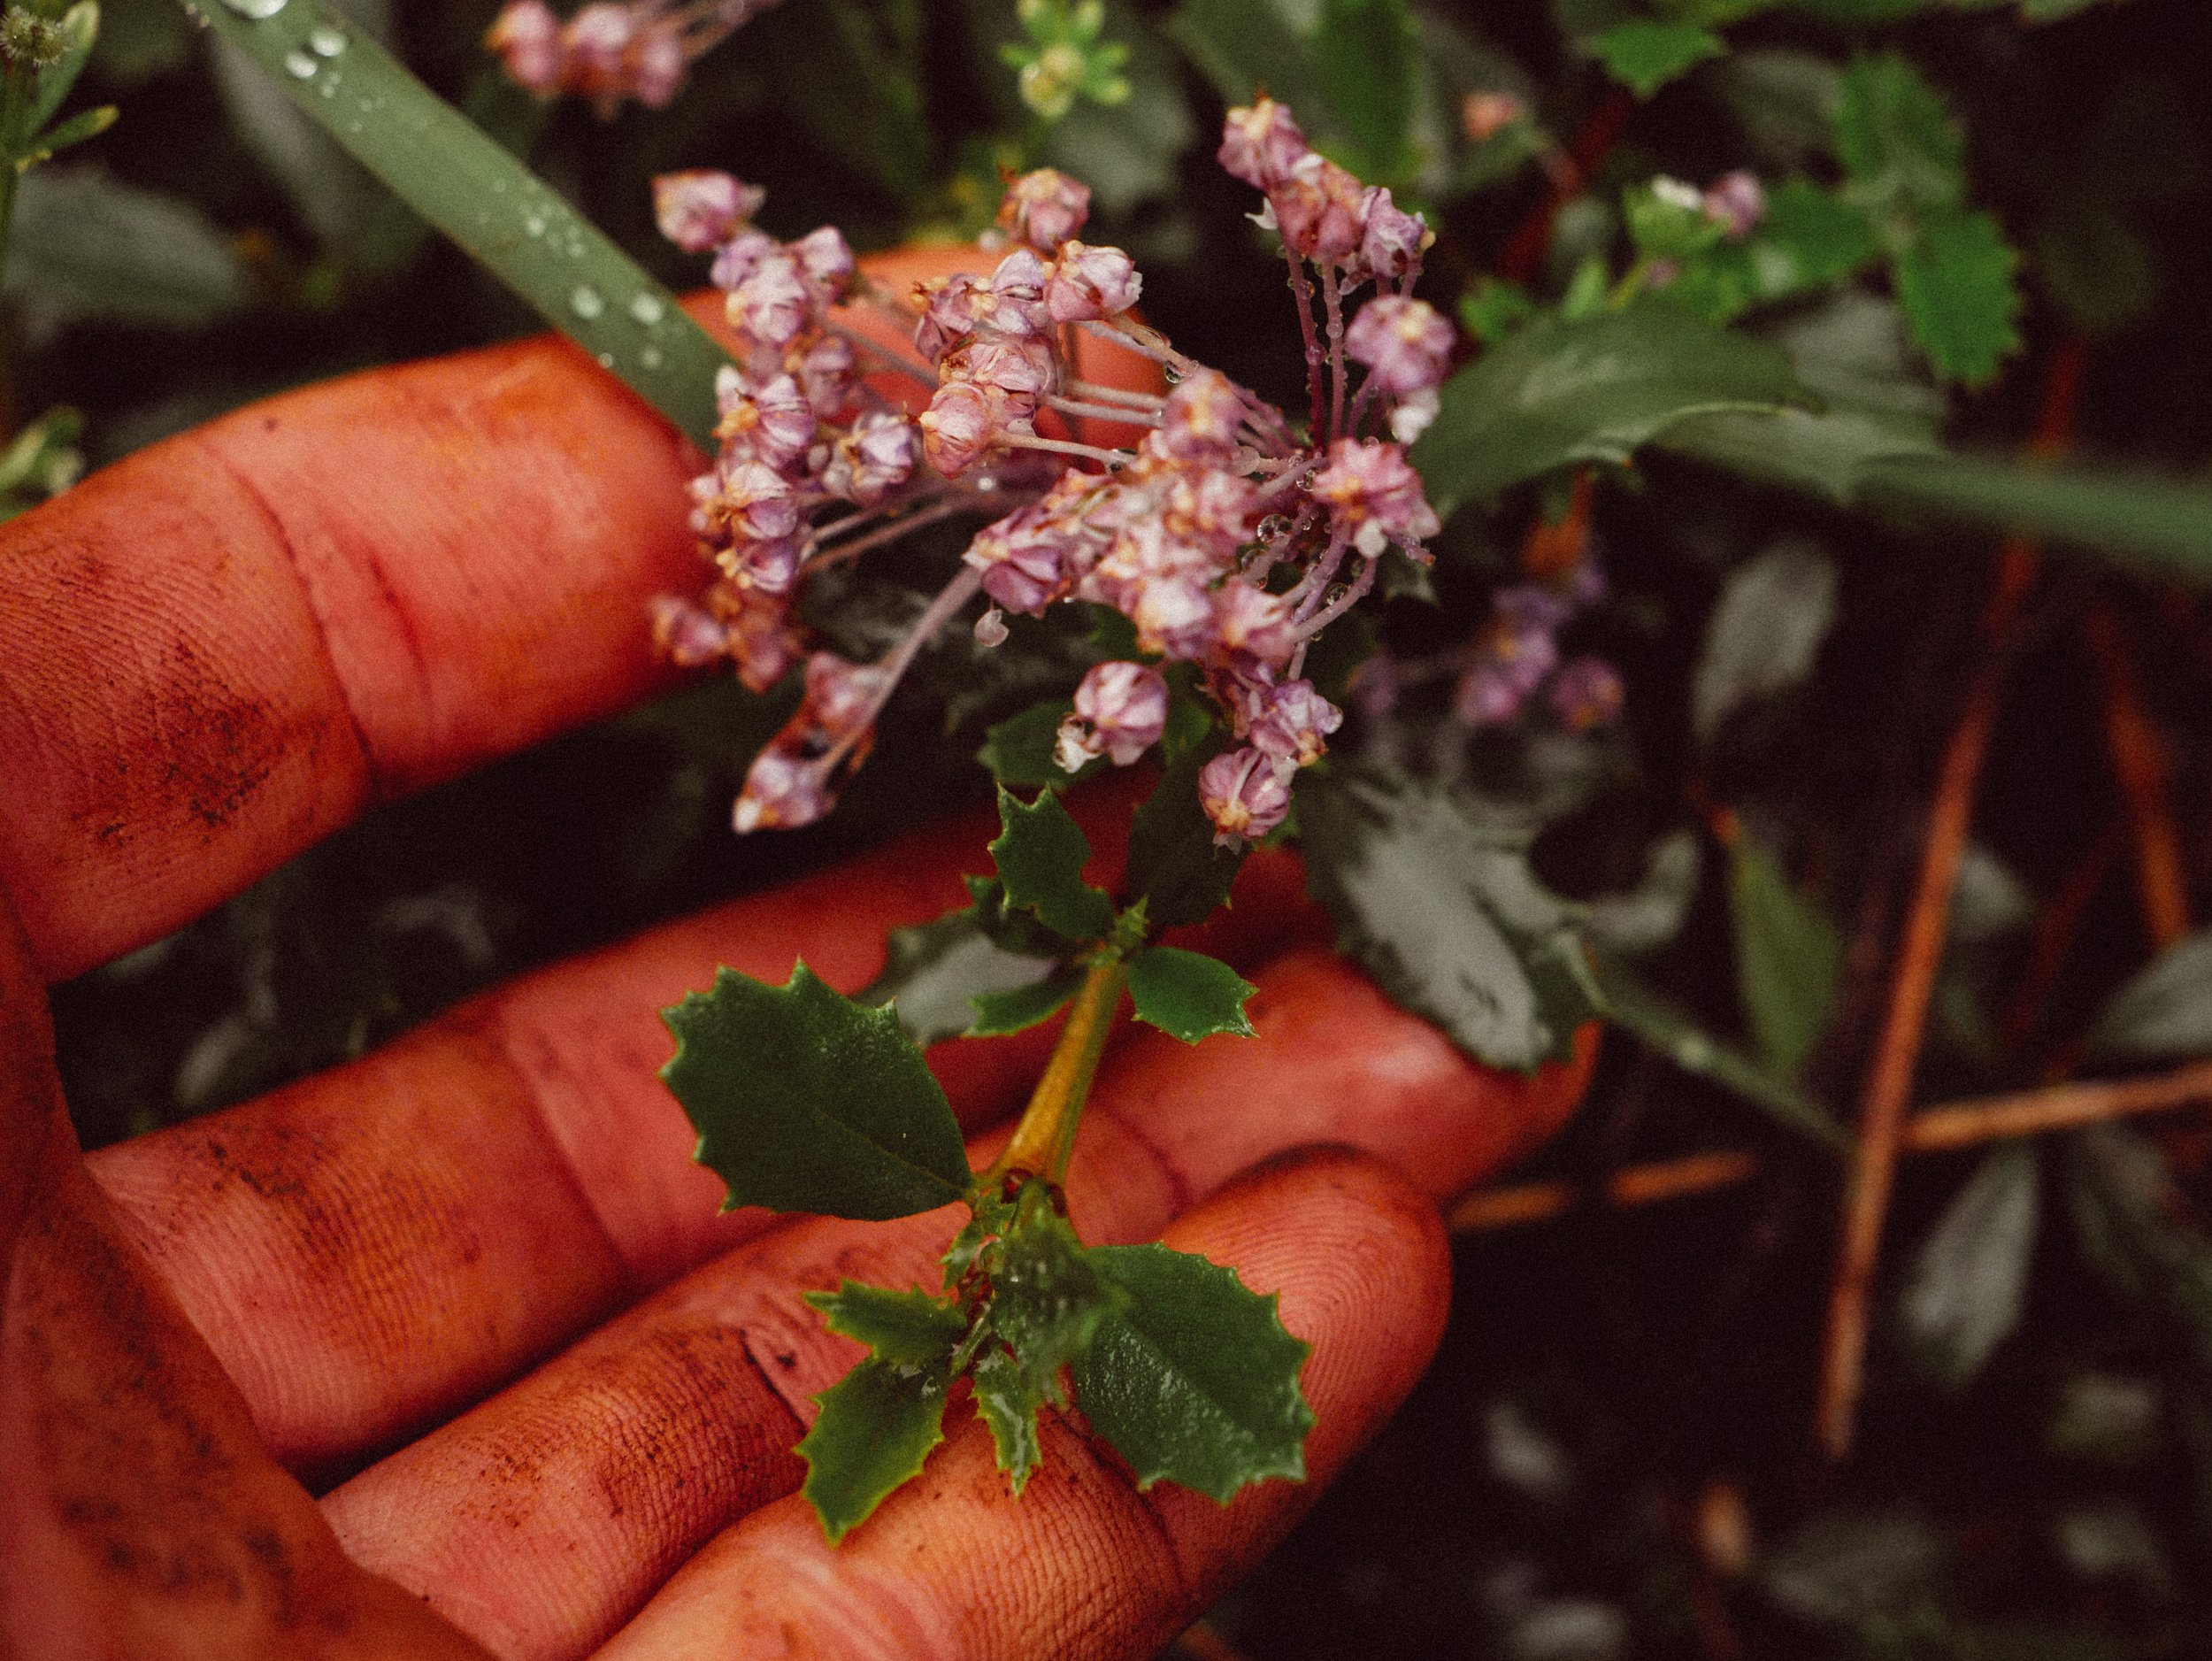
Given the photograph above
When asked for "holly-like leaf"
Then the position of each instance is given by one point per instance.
(1175, 867)
(1789, 959)
(807, 1101)
(1766, 632)
(1445, 914)
(1897, 139)
(1040, 852)
(1645, 56)
(1020, 1008)
(877, 1425)
(906, 1329)
(1188, 994)
(2165, 1012)
(1019, 750)
(1967, 1287)
(1011, 928)
(1193, 1379)
(1008, 1403)
(1047, 1296)
(1593, 389)
(937, 972)
(1957, 282)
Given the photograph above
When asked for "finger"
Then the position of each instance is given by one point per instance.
(352, 1246)
(140, 1516)
(1082, 1565)
(221, 649)
(503, 1519)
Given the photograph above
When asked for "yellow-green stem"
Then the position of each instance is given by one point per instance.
(1046, 1135)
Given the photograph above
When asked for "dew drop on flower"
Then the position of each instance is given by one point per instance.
(647, 308)
(325, 41)
(257, 10)
(587, 301)
(300, 64)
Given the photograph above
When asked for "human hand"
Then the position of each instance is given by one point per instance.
(230, 645)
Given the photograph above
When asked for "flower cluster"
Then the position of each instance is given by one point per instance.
(1515, 657)
(610, 50)
(1227, 536)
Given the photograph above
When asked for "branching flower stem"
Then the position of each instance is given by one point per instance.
(1045, 1135)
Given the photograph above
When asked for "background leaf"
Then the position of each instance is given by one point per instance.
(1967, 1287)
(2164, 1011)
(935, 970)
(1175, 867)
(876, 1427)
(1188, 994)
(1193, 1379)
(1367, 54)
(1956, 280)
(1019, 1008)
(1765, 631)
(1789, 959)
(806, 1101)
(86, 248)
(1645, 56)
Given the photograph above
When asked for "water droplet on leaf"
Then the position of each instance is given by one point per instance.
(587, 301)
(647, 308)
(650, 357)
(257, 10)
(606, 360)
(300, 64)
(325, 41)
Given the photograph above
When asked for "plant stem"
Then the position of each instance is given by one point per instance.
(1046, 1135)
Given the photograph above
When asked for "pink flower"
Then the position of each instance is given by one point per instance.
(656, 62)
(825, 374)
(1406, 344)
(826, 261)
(1587, 693)
(1252, 627)
(1320, 209)
(1089, 282)
(1260, 143)
(771, 421)
(1044, 208)
(1395, 239)
(1292, 722)
(962, 423)
(872, 460)
(947, 315)
(782, 790)
(1021, 371)
(700, 208)
(770, 567)
(751, 500)
(686, 635)
(771, 305)
(739, 257)
(1175, 617)
(1200, 421)
(1208, 507)
(1245, 793)
(1736, 201)
(594, 42)
(1374, 494)
(841, 696)
(1027, 558)
(528, 38)
(762, 641)
(1120, 710)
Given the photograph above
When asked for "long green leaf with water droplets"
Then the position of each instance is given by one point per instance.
(501, 214)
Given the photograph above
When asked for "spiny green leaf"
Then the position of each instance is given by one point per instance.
(1188, 994)
(1645, 56)
(1897, 138)
(1789, 959)
(937, 971)
(1007, 1402)
(1040, 852)
(1446, 915)
(1011, 929)
(1193, 1380)
(1176, 869)
(1019, 750)
(1047, 1296)
(1956, 280)
(876, 1427)
(2165, 1011)
(905, 1329)
(1558, 392)
(1967, 1287)
(806, 1101)
(500, 213)
(1020, 1008)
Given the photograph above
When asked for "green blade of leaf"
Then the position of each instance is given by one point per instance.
(1018, 750)
(1766, 632)
(906, 1329)
(1176, 869)
(2163, 1012)
(934, 973)
(78, 127)
(1645, 56)
(1367, 52)
(1967, 1287)
(1019, 1008)
(1008, 1403)
(1188, 994)
(1194, 1380)
(1789, 959)
(876, 1427)
(806, 1101)
(1560, 392)
(499, 212)
(1958, 280)
(1243, 48)
(1446, 915)
(1040, 852)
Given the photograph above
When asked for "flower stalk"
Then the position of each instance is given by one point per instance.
(1046, 1135)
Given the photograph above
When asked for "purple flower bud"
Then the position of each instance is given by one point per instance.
(1406, 344)
(763, 641)
(770, 567)
(949, 314)
(963, 423)
(872, 460)
(771, 305)
(1089, 282)
(1175, 617)
(770, 421)
(1200, 421)
(656, 62)
(841, 696)
(1252, 627)
(526, 37)
(1375, 686)
(826, 261)
(1245, 793)
(1373, 492)
(739, 257)
(1486, 695)
(686, 635)
(1396, 240)
(1320, 209)
(1121, 709)
(1737, 201)
(1021, 371)
(699, 208)
(751, 501)
(1024, 559)
(1208, 507)
(1587, 693)
(825, 372)
(1260, 145)
(782, 791)
(593, 44)
(1294, 722)
(1044, 209)
(1484, 115)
